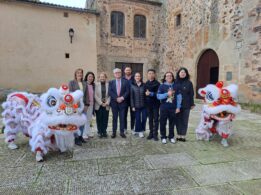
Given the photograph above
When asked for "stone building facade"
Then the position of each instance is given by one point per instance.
(214, 39)
(127, 50)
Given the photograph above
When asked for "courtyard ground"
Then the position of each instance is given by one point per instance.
(137, 166)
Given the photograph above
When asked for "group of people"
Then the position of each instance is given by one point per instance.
(169, 101)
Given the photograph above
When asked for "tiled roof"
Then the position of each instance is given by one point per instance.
(51, 5)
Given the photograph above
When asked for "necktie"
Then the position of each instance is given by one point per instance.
(118, 87)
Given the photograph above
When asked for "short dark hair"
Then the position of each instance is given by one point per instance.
(164, 77)
(186, 71)
(86, 76)
(151, 70)
(127, 67)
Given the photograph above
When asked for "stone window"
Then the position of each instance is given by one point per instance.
(178, 20)
(139, 26)
(229, 76)
(67, 55)
(117, 23)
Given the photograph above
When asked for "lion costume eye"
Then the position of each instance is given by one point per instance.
(51, 101)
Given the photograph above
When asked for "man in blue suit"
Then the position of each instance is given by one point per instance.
(119, 91)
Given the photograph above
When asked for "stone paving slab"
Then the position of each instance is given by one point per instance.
(213, 190)
(122, 165)
(160, 180)
(31, 190)
(108, 184)
(225, 172)
(170, 160)
(252, 187)
(95, 153)
(21, 176)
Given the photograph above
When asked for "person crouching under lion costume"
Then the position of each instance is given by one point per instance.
(61, 116)
(218, 112)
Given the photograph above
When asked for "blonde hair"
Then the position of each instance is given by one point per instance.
(78, 69)
(103, 73)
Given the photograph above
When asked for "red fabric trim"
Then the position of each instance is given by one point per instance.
(38, 149)
(213, 129)
(225, 136)
(52, 138)
(21, 96)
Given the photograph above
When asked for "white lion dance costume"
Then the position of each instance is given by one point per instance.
(60, 118)
(218, 111)
(20, 110)
(50, 121)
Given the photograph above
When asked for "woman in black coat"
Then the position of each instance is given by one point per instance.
(137, 96)
(187, 92)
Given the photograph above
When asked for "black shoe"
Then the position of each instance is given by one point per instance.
(78, 142)
(113, 135)
(178, 139)
(156, 138)
(150, 136)
(182, 139)
(82, 140)
(123, 135)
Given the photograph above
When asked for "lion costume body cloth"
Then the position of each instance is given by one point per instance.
(219, 110)
(50, 121)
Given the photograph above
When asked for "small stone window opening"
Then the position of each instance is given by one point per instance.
(178, 20)
(65, 14)
(67, 55)
(117, 23)
(139, 26)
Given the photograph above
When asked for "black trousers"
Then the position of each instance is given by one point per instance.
(182, 121)
(167, 115)
(102, 116)
(153, 115)
(132, 119)
(118, 111)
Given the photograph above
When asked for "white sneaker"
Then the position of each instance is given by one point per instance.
(164, 141)
(39, 157)
(172, 140)
(12, 146)
(141, 135)
(224, 142)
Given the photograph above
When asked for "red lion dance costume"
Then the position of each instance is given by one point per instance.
(218, 111)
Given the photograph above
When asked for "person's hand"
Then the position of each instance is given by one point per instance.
(133, 109)
(120, 99)
(147, 92)
(177, 110)
(192, 107)
(104, 105)
(170, 93)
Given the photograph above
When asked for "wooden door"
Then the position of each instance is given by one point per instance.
(207, 69)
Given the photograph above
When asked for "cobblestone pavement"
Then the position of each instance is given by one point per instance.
(137, 166)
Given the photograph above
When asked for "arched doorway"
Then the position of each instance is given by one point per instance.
(207, 69)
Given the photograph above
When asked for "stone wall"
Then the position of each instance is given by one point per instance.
(126, 48)
(230, 27)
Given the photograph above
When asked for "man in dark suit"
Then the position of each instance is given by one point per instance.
(118, 91)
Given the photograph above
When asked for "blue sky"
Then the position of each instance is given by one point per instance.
(72, 3)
